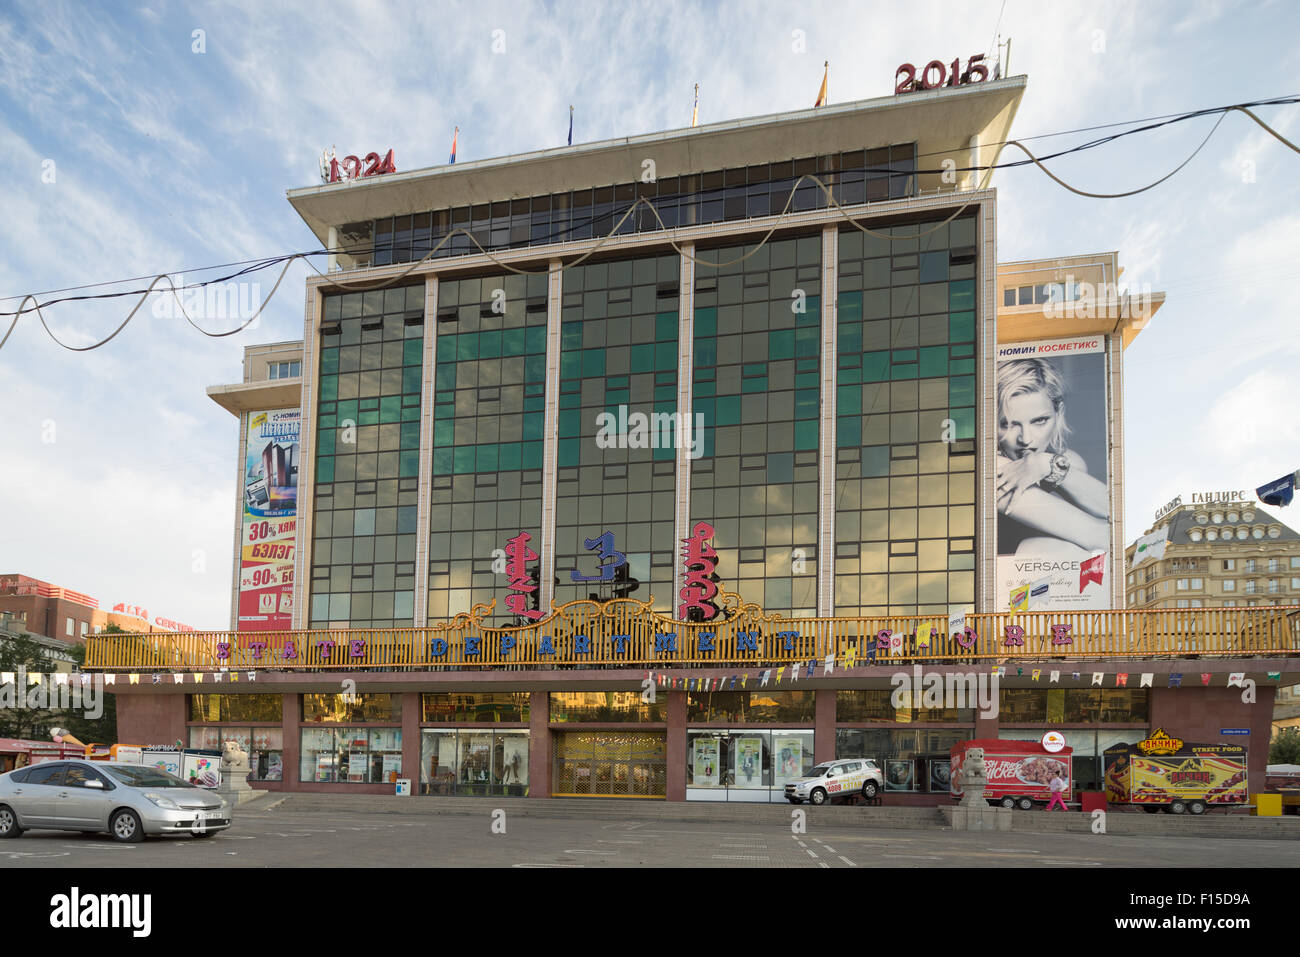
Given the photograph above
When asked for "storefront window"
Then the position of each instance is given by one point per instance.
(351, 755)
(914, 759)
(604, 706)
(506, 706)
(1074, 705)
(747, 760)
(265, 747)
(474, 762)
(215, 708)
(876, 706)
(333, 708)
(756, 707)
(612, 763)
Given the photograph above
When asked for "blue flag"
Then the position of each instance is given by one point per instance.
(1278, 492)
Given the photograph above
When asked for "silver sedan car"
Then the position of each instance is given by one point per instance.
(126, 800)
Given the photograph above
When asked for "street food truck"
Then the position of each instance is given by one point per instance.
(1019, 773)
(1165, 773)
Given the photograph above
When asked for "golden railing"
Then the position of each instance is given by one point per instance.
(627, 633)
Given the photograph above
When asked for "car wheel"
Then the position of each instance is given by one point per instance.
(1025, 804)
(870, 789)
(126, 827)
(1008, 803)
(1196, 807)
(9, 823)
(818, 796)
(1151, 808)
(1178, 807)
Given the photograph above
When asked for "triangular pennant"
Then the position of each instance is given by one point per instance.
(1075, 675)
(1236, 678)
(1274, 675)
(743, 679)
(829, 664)
(133, 678)
(1175, 680)
(1146, 679)
(811, 665)
(1097, 677)
(1054, 677)
(1121, 679)
(110, 679)
(178, 678)
(198, 677)
(766, 675)
(157, 679)
(1037, 672)
(1205, 678)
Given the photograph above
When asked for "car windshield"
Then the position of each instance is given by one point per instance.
(143, 777)
(819, 771)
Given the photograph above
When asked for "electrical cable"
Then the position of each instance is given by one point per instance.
(368, 285)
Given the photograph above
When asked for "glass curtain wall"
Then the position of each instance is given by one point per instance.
(617, 429)
(757, 349)
(905, 420)
(367, 459)
(489, 414)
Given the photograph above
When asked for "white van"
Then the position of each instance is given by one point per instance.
(837, 779)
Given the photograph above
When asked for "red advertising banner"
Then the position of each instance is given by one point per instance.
(270, 521)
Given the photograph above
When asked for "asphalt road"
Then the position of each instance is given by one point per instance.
(283, 837)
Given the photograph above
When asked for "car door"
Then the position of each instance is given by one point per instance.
(82, 806)
(35, 798)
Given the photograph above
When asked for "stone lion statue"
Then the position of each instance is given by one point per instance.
(972, 769)
(233, 757)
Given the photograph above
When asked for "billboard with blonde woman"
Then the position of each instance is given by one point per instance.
(1052, 485)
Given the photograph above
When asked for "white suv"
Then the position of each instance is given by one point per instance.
(837, 779)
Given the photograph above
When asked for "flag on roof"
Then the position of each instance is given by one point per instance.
(821, 94)
(454, 136)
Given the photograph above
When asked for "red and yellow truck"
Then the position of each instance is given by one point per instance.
(1166, 773)
(1019, 773)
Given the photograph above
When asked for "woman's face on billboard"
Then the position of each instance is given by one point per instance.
(1027, 424)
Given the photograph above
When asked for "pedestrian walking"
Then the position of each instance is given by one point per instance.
(1058, 789)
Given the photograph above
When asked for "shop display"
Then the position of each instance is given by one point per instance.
(747, 771)
(940, 775)
(706, 762)
(900, 775)
(787, 763)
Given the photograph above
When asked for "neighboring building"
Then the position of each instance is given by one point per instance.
(266, 403)
(57, 652)
(1229, 553)
(846, 474)
(61, 613)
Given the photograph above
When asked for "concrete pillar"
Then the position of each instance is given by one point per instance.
(411, 714)
(292, 711)
(427, 399)
(685, 403)
(826, 439)
(539, 744)
(675, 751)
(824, 728)
(551, 441)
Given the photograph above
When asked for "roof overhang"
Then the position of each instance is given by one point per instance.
(257, 396)
(945, 124)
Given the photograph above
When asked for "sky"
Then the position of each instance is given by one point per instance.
(160, 138)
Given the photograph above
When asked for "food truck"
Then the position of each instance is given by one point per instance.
(1019, 772)
(1164, 772)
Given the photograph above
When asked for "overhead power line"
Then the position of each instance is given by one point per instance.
(252, 266)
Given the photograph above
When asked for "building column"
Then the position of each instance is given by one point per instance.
(685, 405)
(551, 450)
(826, 439)
(239, 519)
(1115, 407)
(427, 398)
(411, 715)
(824, 728)
(539, 744)
(291, 720)
(306, 459)
(675, 749)
(986, 339)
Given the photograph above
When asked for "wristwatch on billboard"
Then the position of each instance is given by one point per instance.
(1060, 469)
